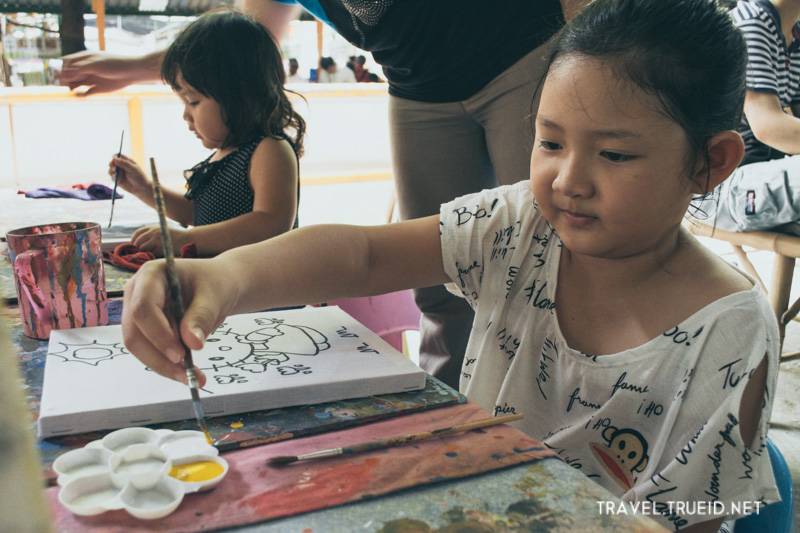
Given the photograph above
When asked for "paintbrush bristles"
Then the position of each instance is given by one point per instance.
(282, 460)
(394, 441)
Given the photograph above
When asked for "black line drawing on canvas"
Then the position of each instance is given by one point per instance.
(228, 353)
(92, 354)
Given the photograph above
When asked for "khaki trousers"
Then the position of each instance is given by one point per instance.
(443, 151)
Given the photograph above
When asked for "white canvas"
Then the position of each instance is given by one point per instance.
(254, 361)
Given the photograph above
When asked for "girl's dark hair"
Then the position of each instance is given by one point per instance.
(687, 53)
(227, 56)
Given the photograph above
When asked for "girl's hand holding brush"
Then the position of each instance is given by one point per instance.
(131, 178)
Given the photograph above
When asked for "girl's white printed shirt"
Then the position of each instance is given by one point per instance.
(657, 423)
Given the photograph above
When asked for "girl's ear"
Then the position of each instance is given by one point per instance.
(725, 152)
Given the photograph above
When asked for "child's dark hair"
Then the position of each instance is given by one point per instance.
(231, 58)
(687, 53)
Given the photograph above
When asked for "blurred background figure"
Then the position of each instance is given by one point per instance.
(329, 73)
(356, 64)
(293, 76)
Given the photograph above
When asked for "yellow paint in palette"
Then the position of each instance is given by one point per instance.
(197, 471)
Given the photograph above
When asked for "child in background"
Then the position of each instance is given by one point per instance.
(228, 72)
(642, 358)
(294, 74)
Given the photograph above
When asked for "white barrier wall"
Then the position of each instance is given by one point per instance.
(49, 137)
(6, 152)
(60, 143)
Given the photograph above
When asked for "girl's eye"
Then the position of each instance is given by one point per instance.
(194, 103)
(548, 145)
(615, 157)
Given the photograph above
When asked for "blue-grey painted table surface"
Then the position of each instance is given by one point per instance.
(543, 496)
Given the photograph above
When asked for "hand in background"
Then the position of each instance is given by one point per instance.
(103, 72)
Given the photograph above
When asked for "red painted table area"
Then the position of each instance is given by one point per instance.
(254, 491)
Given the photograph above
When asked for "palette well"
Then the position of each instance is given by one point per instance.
(146, 472)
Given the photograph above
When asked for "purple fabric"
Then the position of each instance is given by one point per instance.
(95, 191)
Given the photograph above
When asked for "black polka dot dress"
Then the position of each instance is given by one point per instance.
(220, 190)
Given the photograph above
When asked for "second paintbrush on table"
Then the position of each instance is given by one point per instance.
(394, 441)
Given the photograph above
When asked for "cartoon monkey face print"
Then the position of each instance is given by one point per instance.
(623, 453)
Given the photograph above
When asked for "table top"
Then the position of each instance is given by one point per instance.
(543, 495)
(547, 495)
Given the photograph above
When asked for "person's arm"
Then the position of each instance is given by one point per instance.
(309, 265)
(274, 16)
(273, 177)
(770, 124)
(102, 72)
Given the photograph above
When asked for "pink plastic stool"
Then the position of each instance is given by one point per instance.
(388, 315)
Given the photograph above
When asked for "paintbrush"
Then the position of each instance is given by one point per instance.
(116, 180)
(393, 441)
(177, 300)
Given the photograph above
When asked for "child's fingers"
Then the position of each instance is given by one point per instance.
(201, 318)
(138, 239)
(120, 159)
(148, 239)
(149, 354)
(146, 328)
(124, 159)
(116, 170)
(204, 296)
(139, 233)
(124, 163)
(112, 165)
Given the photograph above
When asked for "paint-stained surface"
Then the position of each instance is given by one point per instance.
(490, 480)
(254, 491)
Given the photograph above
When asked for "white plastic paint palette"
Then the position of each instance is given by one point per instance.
(130, 469)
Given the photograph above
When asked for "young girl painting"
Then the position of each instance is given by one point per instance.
(227, 71)
(639, 356)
